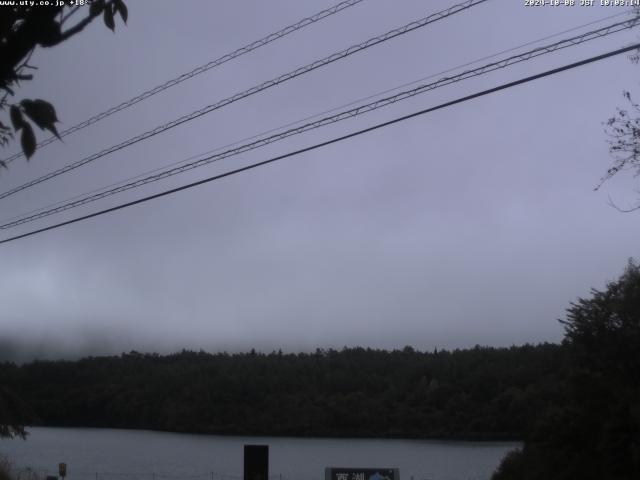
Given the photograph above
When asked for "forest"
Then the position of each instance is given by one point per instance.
(479, 393)
(575, 406)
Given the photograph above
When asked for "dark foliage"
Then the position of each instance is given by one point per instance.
(595, 432)
(14, 414)
(477, 393)
(22, 29)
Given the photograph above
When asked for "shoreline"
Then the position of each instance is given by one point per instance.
(486, 438)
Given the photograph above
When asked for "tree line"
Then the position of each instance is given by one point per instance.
(479, 393)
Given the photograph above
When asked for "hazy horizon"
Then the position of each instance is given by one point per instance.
(25, 350)
(476, 224)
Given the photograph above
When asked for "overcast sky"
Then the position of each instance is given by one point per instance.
(476, 224)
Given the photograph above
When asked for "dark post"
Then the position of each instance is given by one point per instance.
(256, 462)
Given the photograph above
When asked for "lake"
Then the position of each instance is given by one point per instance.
(107, 454)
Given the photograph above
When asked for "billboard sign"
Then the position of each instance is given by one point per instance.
(337, 473)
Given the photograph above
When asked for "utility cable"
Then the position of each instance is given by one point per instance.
(316, 115)
(197, 71)
(482, 93)
(573, 41)
(256, 89)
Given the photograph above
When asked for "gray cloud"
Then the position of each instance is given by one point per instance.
(476, 224)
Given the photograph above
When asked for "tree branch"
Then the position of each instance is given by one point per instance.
(68, 15)
(77, 28)
(20, 43)
(611, 203)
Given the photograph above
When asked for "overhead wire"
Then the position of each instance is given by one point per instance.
(256, 89)
(459, 100)
(316, 115)
(512, 60)
(272, 37)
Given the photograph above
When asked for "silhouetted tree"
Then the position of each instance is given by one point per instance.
(22, 29)
(594, 433)
(623, 130)
(14, 414)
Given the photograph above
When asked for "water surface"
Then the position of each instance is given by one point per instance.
(107, 454)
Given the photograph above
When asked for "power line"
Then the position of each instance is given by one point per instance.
(316, 115)
(334, 140)
(256, 89)
(197, 71)
(525, 56)
(341, 116)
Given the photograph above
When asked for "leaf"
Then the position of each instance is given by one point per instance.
(122, 8)
(108, 18)
(16, 118)
(42, 113)
(52, 128)
(28, 141)
(96, 8)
